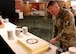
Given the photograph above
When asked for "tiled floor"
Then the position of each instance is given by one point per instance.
(39, 26)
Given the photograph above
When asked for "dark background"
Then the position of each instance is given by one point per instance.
(7, 9)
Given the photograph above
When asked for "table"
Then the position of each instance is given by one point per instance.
(12, 43)
(65, 53)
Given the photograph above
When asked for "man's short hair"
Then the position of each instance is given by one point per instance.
(50, 3)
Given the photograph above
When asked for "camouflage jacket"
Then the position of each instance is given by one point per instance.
(64, 27)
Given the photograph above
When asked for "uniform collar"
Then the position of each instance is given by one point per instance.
(60, 13)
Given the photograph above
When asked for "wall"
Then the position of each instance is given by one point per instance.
(38, 6)
(35, 5)
(7, 7)
(26, 9)
(62, 3)
(19, 5)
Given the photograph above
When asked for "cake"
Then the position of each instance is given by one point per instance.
(33, 44)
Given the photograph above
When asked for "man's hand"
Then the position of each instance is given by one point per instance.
(53, 41)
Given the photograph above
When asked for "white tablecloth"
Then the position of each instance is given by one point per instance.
(12, 43)
(65, 53)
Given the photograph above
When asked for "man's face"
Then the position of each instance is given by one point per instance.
(53, 10)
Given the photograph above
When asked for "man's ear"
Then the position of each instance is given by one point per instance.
(56, 5)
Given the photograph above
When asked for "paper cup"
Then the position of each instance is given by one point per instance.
(17, 32)
(25, 30)
(6, 20)
(10, 34)
(72, 50)
(0, 17)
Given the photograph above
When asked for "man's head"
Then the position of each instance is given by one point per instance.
(53, 8)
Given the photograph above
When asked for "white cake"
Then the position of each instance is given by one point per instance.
(33, 44)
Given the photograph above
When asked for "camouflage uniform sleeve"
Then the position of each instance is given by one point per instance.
(55, 31)
(68, 27)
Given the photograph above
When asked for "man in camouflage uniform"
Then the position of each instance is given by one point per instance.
(63, 26)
